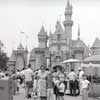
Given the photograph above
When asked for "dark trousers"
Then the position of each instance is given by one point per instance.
(56, 91)
(77, 87)
(65, 83)
(72, 86)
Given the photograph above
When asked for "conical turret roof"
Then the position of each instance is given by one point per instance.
(96, 43)
(68, 9)
(42, 31)
(68, 4)
(59, 29)
(20, 47)
(12, 57)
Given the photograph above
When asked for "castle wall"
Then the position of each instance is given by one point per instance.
(20, 63)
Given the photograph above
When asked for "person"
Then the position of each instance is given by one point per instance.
(22, 77)
(1, 74)
(80, 75)
(50, 85)
(42, 83)
(61, 87)
(18, 80)
(14, 78)
(72, 85)
(85, 87)
(66, 79)
(28, 78)
(56, 85)
(35, 86)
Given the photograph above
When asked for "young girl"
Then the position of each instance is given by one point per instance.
(56, 85)
(61, 87)
(85, 87)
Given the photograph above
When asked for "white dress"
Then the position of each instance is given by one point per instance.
(42, 86)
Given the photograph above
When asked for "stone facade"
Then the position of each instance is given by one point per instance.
(56, 47)
(61, 46)
(18, 58)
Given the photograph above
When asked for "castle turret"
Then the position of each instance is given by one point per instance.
(68, 23)
(20, 47)
(59, 29)
(21, 57)
(42, 38)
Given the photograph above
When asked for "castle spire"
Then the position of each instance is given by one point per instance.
(78, 34)
(68, 3)
(20, 47)
(59, 28)
(42, 38)
(68, 6)
(68, 23)
(42, 31)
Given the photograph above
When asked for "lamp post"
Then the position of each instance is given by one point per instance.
(50, 55)
(49, 59)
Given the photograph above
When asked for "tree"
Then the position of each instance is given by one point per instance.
(3, 58)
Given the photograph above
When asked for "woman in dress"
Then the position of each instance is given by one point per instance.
(42, 84)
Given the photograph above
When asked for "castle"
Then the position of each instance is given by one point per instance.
(56, 47)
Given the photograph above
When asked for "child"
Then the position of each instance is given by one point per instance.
(56, 84)
(50, 95)
(18, 84)
(61, 87)
(85, 87)
(35, 86)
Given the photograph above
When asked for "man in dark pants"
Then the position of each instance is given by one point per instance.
(72, 84)
(28, 78)
(77, 87)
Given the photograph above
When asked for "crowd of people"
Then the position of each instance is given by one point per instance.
(50, 84)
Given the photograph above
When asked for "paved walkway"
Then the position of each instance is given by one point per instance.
(21, 96)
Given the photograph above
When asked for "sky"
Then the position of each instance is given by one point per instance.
(28, 16)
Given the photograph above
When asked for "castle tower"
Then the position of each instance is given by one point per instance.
(68, 23)
(42, 38)
(18, 58)
(21, 57)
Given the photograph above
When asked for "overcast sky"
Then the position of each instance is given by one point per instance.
(30, 15)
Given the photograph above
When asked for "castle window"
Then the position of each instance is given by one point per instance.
(59, 47)
(59, 37)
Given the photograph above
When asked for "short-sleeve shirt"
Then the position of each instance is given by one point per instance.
(81, 73)
(72, 76)
(85, 84)
(62, 87)
(28, 74)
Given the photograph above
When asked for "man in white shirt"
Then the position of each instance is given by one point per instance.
(81, 73)
(28, 78)
(72, 85)
(85, 87)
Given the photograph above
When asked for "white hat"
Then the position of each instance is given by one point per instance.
(79, 68)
